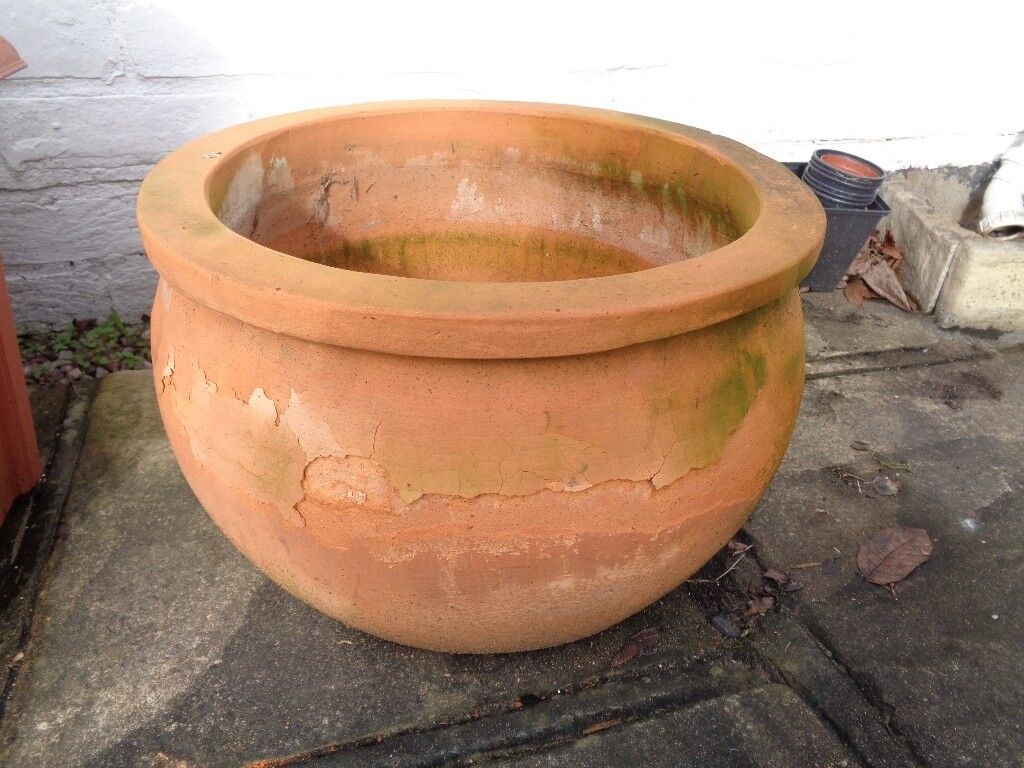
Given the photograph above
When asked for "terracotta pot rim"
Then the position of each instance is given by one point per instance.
(851, 165)
(194, 251)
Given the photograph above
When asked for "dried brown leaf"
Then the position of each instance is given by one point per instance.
(647, 639)
(890, 554)
(864, 259)
(881, 279)
(629, 651)
(857, 292)
(601, 726)
(780, 578)
(759, 607)
(644, 643)
(890, 252)
(725, 625)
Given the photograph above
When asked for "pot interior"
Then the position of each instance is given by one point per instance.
(464, 195)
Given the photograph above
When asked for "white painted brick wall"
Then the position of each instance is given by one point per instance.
(113, 85)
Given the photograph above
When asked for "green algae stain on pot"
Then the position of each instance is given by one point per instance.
(701, 426)
(487, 254)
(732, 397)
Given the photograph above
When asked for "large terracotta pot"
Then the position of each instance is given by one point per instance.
(477, 376)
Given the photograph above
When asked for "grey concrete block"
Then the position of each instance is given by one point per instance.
(967, 280)
(767, 727)
(984, 287)
(928, 238)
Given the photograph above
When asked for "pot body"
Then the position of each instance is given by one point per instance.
(478, 505)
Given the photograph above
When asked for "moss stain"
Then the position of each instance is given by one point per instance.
(701, 428)
(483, 256)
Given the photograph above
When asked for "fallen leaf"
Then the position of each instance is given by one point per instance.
(890, 554)
(643, 643)
(857, 292)
(888, 246)
(864, 259)
(881, 279)
(724, 624)
(735, 545)
(891, 463)
(629, 651)
(760, 607)
(884, 486)
(780, 578)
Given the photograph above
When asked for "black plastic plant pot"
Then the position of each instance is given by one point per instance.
(841, 179)
(846, 231)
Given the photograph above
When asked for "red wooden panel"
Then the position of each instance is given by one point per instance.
(20, 465)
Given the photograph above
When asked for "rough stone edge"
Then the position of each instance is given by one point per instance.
(37, 555)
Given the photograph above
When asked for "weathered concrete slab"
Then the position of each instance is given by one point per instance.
(555, 719)
(157, 639)
(830, 689)
(767, 727)
(834, 327)
(29, 531)
(942, 656)
(48, 405)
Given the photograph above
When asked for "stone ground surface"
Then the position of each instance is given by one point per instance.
(133, 634)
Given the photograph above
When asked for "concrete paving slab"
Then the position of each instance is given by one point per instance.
(28, 533)
(557, 719)
(942, 656)
(830, 690)
(834, 327)
(768, 727)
